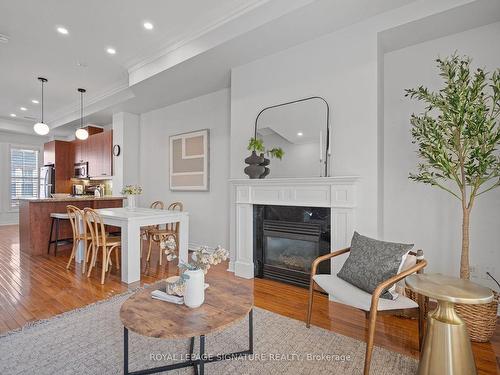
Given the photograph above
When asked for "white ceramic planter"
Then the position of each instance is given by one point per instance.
(194, 294)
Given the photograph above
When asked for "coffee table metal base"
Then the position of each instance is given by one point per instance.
(198, 364)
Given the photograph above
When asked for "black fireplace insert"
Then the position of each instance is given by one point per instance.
(288, 239)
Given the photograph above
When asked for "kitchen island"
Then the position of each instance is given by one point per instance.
(34, 218)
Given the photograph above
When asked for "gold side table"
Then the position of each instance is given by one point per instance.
(447, 348)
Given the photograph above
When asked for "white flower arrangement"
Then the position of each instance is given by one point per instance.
(202, 259)
(132, 190)
(168, 245)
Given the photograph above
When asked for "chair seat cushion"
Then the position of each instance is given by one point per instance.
(57, 215)
(348, 294)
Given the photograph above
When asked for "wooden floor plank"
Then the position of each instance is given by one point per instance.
(33, 288)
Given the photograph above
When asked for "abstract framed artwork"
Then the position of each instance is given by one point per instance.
(189, 161)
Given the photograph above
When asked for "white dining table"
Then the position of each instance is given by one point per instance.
(130, 221)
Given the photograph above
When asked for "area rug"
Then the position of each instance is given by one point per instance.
(90, 341)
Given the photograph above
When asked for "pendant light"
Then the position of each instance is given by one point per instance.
(41, 128)
(81, 133)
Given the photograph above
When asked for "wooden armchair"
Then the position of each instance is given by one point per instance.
(348, 294)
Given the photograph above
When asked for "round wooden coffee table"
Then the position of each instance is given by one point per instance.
(227, 301)
(447, 348)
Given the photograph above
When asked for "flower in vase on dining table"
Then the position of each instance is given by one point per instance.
(131, 191)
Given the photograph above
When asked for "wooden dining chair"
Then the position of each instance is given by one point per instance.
(76, 216)
(101, 240)
(158, 205)
(159, 234)
(348, 294)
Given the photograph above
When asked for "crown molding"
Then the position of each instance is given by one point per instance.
(73, 111)
(170, 46)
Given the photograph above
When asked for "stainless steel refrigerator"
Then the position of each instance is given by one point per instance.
(47, 181)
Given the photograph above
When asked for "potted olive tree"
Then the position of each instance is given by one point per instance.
(458, 139)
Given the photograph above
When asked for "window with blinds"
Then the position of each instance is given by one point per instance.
(23, 174)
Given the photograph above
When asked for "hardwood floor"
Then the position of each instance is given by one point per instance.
(39, 287)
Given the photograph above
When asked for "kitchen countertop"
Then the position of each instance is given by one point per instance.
(72, 199)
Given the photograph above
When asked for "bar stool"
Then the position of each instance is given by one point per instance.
(56, 218)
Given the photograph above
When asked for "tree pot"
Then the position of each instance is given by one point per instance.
(481, 320)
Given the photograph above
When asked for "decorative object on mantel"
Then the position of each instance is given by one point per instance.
(264, 164)
(131, 191)
(189, 157)
(193, 274)
(458, 137)
(257, 167)
(301, 129)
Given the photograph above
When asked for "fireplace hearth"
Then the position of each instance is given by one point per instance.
(288, 239)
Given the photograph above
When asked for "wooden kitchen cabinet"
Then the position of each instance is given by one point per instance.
(59, 154)
(80, 151)
(99, 151)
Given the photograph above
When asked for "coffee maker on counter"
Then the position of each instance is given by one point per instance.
(94, 190)
(77, 189)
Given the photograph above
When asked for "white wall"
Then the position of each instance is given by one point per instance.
(340, 67)
(8, 215)
(126, 134)
(347, 69)
(208, 211)
(416, 212)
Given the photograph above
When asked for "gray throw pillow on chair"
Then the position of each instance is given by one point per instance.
(372, 261)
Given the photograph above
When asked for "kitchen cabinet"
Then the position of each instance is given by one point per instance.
(100, 151)
(97, 151)
(59, 154)
(80, 153)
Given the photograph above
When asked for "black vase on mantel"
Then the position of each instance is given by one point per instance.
(264, 164)
(254, 169)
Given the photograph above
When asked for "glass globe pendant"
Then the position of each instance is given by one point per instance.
(81, 133)
(41, 128)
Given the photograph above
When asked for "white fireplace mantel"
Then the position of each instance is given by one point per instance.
(337, 193)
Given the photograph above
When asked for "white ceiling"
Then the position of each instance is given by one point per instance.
(190, 52)
(35, 48)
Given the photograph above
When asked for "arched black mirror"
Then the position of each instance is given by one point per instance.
(301, 129)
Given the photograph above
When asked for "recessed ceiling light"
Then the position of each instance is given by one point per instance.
(23, 108)
(62, 30)
(12, 115)
(148, 25)
(110, 50)
(299, 134)
(34, 101)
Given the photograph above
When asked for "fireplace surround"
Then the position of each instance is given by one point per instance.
(287, 239)
(336, 193)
